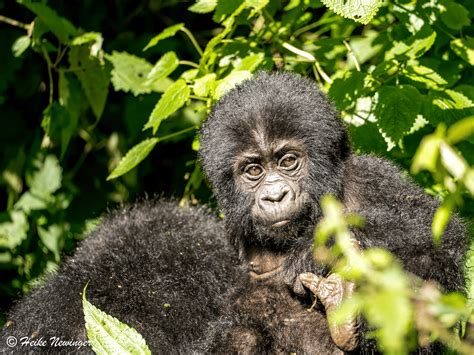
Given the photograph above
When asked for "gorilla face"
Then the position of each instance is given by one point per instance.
(271, 174)
(271, 148)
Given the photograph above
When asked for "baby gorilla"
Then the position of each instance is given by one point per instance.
(271, 149)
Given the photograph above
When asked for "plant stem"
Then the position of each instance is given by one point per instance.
(175, 134)
(352, 54)
(15, 23)
(193, 40)
(50, 74)
(187, 62)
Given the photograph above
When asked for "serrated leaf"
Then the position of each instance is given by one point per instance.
(129, 73)
(20, 45)
(358, 10)
(425, 75)
(164, 67)
(12, 233)
(450, 99)
(413, 47)
(203, 6)
(133, 157)
(226, 8)
(172, 100)
(454, 15)
(166, 33)
(396, 110)
(250, 62)
(464, 48)
(203, 86)
(61, 27)
(93, 75)
(107, 335)
(230, 81)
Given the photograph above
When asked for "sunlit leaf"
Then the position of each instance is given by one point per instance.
(250, 62)
(133, 157)
(464, 48)
(204, 85)
(230, 81)
(358, 10)
(172, 100)
(203, 6)
(20, 45)
(441, 219)
(453, 161)
(107, 335)
(166, 33)
(51, 238)
(164, 67)
(345, 91)
(461, 130)
(413, 47)
(425, 75)
(256, 5)
(13, 232)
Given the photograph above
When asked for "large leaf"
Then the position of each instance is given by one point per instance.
(172, 100)
(413, 47)
(464, 48)
(12, 233)
(424, 75)
(62, 28)
(396, 110)
(454, 15)
(358, 10)
(48, 177)
(345, 91)
(166, 33)
(230, 81)
(93, 75)
(107, 335)
(133, 157)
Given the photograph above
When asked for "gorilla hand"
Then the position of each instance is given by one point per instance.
(331, 291)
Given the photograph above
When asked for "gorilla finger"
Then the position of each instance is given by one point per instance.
(311, 281)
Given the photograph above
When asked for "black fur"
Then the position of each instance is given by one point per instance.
(138, 260)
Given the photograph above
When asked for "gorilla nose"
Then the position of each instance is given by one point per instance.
(275, 195)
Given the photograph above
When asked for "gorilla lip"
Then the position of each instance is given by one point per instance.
(280, 223)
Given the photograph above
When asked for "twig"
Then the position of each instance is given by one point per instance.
(352, 54)
(15, 23)
(193, 41)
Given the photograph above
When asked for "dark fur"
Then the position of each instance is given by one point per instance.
(139, 259)
(398, 214)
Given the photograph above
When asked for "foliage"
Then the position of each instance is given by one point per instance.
(107, 335)
(102, 103)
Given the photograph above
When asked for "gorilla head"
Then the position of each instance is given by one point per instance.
(271, 148)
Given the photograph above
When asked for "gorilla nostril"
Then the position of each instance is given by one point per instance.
(275, 196)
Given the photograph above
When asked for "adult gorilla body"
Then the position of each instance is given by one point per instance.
(271, 149)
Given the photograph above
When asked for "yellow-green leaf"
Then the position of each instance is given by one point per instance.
(166, 33)
(358, 10)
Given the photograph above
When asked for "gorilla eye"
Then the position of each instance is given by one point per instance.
(253, 170)
(288, 162)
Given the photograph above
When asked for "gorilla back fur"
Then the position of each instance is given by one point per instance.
(138, 260)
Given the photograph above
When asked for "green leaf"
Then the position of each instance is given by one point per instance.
(58, 124)
(62, 28)
(461, 130)
(166, 33)
(204, 85)
(48, 177)
(88, 37)
(413, 47)
(69, 98)
(358, 10)
(164, 67)
(107, 335)
(425, 75)
(20, 45)
(427, 154)
(226, 8)
(441, 219)
(250, 62)
(345, 91)
(464, 48)
(454, 15)
(396, 110)
(129, 73)
(453, 161)
(30, 201)
(256, 5)
(203, 6)
(133, 157)
(230, 81)
(450, 99)
(93, 75)
(13, 233)
(172, 100)
(51, 238)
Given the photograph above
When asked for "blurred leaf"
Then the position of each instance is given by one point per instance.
(358, 10)
(62, 28)
(164, 67)
(256, 5)
(345, 91)
(107, 335)
(454, 15)
(51, 239)
(203, 6)
(93, 75)
(14, 232)
(166, 33)
(464, 48)
(397, 109)
(460, 130)
(172, 100)
(70, 98)
(30, 201)
(441, 219)
(48, 177)
(453, 161)
(250, 62)
(230, 81)
(427, 154)
(20, 45)
(133, 157)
